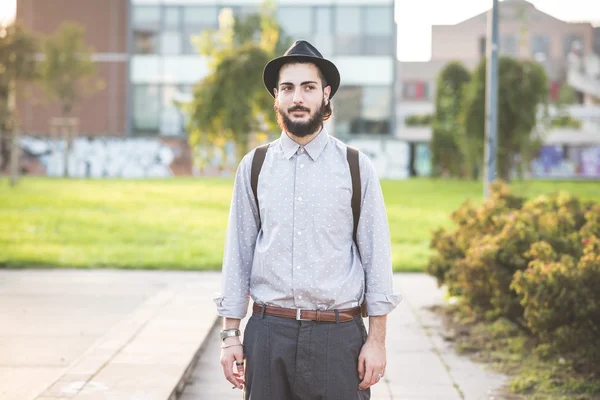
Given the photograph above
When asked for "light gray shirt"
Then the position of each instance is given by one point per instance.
(304, 255)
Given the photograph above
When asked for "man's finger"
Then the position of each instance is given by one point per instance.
(227, 364)
(361, 367)
(366, 382)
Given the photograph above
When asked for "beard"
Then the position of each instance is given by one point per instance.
(300, 128)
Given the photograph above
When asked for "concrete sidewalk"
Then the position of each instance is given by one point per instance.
(420, 365)
(121, 335)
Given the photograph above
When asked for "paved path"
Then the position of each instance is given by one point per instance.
(110, 335)
(420, 364)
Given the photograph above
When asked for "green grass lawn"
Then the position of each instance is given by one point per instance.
(181, 223)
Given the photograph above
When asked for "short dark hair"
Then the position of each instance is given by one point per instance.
(328, 106)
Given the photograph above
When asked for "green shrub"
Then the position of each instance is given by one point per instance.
(535, 264)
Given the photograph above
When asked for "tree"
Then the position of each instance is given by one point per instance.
(231, 103)
(68, 72)
(522, 90)
(17, 64)
(448, 140)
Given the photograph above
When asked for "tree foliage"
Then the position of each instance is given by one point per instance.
(522, 89)
(231, 103)
(447, 142)
(67, 71)
(17, 63)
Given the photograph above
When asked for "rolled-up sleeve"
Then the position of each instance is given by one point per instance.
(374, 244)
(242, 230)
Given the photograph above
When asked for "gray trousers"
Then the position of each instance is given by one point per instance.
(303, 360)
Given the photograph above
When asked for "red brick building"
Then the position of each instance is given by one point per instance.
(104, 113)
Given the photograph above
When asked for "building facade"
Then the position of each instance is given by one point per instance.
(146, 58)
(524, 33)
(358, 36)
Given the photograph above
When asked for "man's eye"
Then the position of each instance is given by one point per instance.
(311, 87)
(286, 88)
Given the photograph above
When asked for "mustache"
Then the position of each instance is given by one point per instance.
(298, 108)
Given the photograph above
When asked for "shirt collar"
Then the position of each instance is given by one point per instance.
(314, 148)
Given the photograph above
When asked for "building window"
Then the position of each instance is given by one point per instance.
(348, 31)
(416, 90)
(540, 47)
(573, 43)
(146, 109)
(508, 45)
(296, 22)
(323, 38)
(146, 29)
(363, 110)
(170, 43)
(482, 46)
(379, 31)
(196, 19)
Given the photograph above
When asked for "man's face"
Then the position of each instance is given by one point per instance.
(300, 99)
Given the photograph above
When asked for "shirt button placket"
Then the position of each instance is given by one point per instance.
(300, 223)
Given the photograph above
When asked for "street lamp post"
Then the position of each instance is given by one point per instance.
(491, 110)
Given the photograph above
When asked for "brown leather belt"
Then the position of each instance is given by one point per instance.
(344, 315)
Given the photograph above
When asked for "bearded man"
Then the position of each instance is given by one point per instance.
(296, 245)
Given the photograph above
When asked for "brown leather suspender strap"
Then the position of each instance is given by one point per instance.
(257, 162)
(352, 156)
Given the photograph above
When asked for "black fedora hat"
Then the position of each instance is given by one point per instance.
(301, 51)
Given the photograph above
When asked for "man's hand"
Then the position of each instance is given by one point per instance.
(371, 363)
(232, 361)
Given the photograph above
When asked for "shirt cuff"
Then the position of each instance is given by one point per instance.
(231, 307)
(381, 304)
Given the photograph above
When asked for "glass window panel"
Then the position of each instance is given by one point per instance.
(171, 18)
(379, 21)
(146, 16)
(146, 108)
(348, 28)
(296, 21)
(170, 43)
(324, 43)
(200, 17)
(363, 109)
(171, 122)
(246, 10)
(379, 45)
(347, 109)
(323, 21)
(540, 47)
(347, 20)
(189, 47)
(145, 42)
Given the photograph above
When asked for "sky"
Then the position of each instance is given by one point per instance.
(415, 17)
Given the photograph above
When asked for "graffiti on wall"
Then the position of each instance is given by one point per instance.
(107, 157)
(567, 162)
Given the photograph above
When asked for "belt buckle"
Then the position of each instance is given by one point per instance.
(299, 315)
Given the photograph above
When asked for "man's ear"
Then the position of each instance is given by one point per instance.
(275, 91)
(326, 93)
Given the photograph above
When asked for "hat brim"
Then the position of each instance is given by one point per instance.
(329, 70)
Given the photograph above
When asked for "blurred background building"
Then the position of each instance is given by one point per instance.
(148, 59)
(569, 52)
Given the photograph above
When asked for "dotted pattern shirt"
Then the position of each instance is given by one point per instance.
(304, 255)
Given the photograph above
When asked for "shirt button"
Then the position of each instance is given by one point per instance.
(299, 198)
(300, 297)
(301, 165)
(299, 233)
(298, 267)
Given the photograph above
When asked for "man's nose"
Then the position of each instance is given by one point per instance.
(298, 99)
